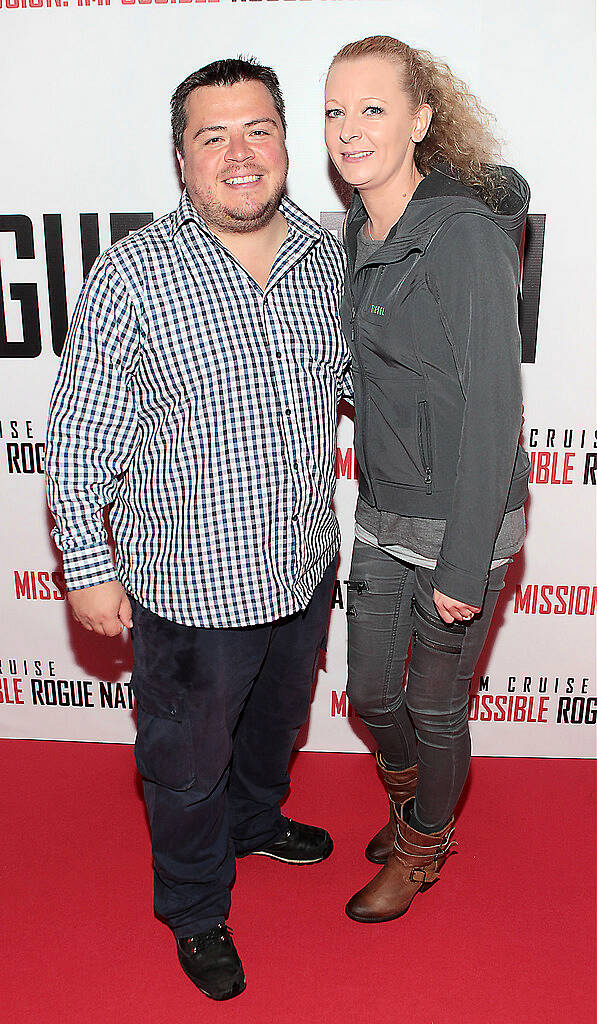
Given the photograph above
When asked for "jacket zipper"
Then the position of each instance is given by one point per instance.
(355, 348)
(424, 436)
(354, 337)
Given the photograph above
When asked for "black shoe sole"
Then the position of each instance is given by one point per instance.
(287, 860)
(376, 920)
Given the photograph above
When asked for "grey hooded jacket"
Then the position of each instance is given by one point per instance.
(431, 320)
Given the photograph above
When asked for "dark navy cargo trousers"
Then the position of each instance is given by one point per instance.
(218, 711)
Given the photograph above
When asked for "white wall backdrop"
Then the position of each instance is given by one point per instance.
(84, 110)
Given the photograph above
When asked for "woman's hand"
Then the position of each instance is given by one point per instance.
(451, 610)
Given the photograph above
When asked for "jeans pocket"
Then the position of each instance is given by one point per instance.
(164, 748)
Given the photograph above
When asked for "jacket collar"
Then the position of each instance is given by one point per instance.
(438, 197)
(402, 238)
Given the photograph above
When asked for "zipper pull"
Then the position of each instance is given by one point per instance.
(428, 480)
(358, 585)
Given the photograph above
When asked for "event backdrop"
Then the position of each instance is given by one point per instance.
(87, 157)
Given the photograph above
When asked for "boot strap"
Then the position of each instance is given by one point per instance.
(421, 875)
(410, 849)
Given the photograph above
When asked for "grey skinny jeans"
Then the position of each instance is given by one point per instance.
(389, 605)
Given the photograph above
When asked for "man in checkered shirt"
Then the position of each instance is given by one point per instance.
(197, 398)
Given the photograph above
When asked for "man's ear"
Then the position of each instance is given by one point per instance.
(180, 159)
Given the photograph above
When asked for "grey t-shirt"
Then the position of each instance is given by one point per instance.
(411, 535)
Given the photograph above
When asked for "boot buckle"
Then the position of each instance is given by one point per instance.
(418, 875)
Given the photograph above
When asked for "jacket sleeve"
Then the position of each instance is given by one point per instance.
(473, 273)
(91, 425)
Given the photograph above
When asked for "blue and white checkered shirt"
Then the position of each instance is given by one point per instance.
(203, 410)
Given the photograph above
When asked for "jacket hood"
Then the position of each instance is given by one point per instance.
(438, 197)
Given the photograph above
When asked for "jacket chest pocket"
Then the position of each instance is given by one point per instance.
(385, 289)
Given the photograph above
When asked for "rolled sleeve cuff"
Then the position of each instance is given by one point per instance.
(86, 567)
(459, 584)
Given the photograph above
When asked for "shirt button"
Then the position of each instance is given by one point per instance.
(295, 518)
(278, 354)
(173, 711)
(295, 464)
(287, 410)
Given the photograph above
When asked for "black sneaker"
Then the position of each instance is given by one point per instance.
(299, 844)
(211, 962)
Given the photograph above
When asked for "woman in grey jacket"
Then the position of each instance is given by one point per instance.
(430, 313)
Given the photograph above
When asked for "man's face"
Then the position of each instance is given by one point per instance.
(234, 162)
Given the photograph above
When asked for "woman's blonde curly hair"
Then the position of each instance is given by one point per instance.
(459, 132)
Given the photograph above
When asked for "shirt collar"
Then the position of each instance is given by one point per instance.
(297, 219)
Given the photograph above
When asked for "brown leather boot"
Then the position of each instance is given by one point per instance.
(400, 786)
(412, 866)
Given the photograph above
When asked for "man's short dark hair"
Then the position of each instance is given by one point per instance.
(223, 72)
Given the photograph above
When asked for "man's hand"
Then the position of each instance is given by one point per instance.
(452, 610)
(104, 608)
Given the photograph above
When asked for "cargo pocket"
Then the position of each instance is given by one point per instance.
(435, 634)
(164, 748)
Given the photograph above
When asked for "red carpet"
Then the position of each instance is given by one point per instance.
(505, 937)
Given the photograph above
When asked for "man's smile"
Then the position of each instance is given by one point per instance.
(246, 179)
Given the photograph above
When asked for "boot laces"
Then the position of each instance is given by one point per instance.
(198, 943)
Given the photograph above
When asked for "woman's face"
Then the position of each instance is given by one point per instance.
(370, 129)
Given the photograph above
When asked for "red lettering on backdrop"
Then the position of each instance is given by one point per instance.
(544, 467)
(501, 708)
(568, 467)
(563, 599)
(10, 691)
